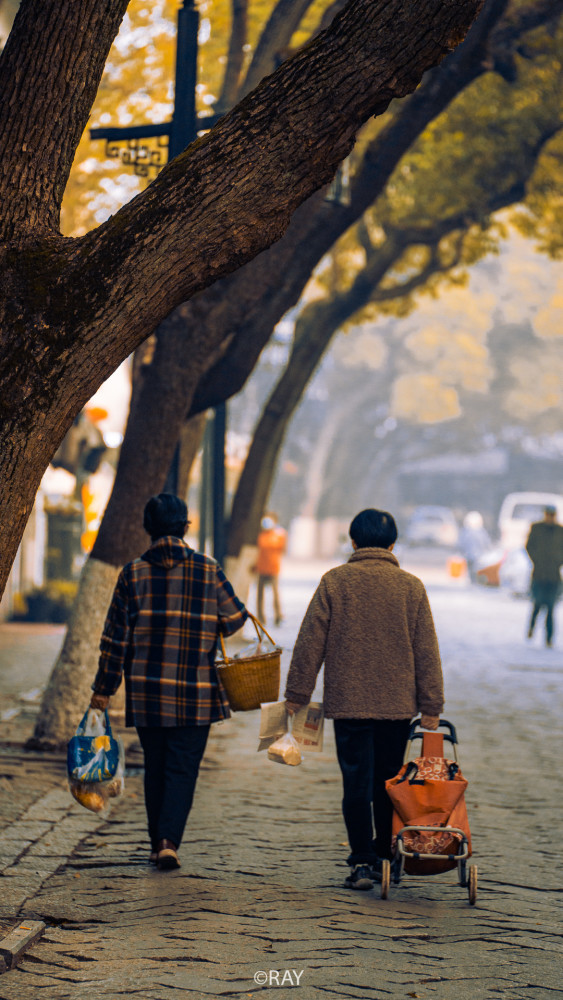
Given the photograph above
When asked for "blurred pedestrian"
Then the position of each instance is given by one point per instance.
(545, 549)
(371, 624)
(272, 542)
(474, 541)
(161, 634)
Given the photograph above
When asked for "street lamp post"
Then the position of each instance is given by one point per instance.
(181, 130)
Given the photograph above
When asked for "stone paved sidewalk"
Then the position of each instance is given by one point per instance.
(260, 888)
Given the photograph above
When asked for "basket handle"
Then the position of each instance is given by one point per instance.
(257, 625)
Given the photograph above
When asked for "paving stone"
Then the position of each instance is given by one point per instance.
(20, 938)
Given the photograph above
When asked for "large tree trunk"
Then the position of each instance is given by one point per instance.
(151, 435)
(191, 437)
(90, 302)
(315, 479)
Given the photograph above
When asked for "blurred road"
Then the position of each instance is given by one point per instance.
(260, 889)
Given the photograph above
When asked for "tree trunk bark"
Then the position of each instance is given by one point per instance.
(235, 56)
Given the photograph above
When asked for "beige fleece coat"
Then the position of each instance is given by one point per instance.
(370, 623)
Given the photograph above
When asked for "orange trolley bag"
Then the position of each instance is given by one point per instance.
(430, 825)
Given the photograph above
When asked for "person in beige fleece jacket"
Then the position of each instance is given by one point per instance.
(370, 622)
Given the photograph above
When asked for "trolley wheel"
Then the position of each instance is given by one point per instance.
(385, 878)
(472, 885)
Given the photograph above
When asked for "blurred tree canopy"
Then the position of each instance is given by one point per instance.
(498, 136)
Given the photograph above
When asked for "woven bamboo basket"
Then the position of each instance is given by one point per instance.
(250, 680)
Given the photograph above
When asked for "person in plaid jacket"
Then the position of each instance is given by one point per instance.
(161, 634)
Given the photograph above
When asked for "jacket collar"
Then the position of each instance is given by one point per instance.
(167, 552)
(381, 555)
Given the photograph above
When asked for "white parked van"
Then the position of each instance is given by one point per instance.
(519, 511)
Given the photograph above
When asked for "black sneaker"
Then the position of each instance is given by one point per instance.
(360, 878)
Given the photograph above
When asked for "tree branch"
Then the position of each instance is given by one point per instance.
(316, 226)
(274, 41)
(330, 13)
(235, 57)
(248, 174)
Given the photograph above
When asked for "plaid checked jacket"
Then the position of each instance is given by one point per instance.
(161, 633)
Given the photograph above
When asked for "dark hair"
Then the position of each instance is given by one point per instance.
(165, 514)
(373, 529)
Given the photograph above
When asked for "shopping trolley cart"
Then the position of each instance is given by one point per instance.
(430, 825)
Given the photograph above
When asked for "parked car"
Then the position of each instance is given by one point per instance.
(432, 525)
(519, 511)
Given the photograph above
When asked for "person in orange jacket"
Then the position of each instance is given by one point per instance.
(272, 542)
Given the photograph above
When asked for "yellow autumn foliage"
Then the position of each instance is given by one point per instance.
(138, 88)
(423, 398)
(548, 321)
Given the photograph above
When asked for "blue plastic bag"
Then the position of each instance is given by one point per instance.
(92, 753)
(95, 763)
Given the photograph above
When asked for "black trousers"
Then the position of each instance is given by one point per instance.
(544, 595)
(369, 751)
(172, 758)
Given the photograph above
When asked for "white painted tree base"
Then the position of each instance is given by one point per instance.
(238, 570)
(69, 688)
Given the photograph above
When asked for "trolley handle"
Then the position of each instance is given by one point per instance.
(443, 723)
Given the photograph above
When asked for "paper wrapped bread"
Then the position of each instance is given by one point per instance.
(285, 750)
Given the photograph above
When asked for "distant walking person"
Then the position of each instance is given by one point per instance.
(272, 542)
(545, 549)
(474, 541)
(161, 634)
(371, 624)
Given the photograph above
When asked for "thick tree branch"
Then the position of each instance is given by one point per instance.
(244, 178)
(287, 150)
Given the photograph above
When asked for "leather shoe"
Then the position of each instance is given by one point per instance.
(167, 858)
